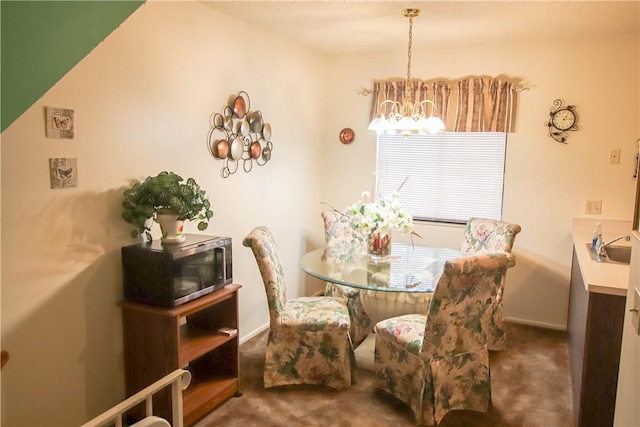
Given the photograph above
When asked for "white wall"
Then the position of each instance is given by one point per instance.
(142, 101)
(546, 183)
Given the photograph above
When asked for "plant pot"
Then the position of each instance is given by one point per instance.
(171, 227)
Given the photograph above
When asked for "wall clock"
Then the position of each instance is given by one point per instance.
(562, 119)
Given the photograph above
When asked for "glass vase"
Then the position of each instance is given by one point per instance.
(379, 245)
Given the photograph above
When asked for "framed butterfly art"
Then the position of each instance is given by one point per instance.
(63, 172)
(59, 122)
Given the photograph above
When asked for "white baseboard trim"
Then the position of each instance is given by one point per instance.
(527, 322)
(253, 333)
(537, 324)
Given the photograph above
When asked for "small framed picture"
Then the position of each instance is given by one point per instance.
(59, 122)
(63, 172)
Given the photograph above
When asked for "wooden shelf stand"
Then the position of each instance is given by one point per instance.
(159, 340)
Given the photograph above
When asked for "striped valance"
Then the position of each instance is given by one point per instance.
(473, 104)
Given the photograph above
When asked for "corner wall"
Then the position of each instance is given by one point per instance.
(143, 100)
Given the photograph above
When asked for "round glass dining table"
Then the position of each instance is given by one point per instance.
(398, 284)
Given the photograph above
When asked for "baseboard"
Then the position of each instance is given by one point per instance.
(527, 322)
(536, 324)
(253, 333)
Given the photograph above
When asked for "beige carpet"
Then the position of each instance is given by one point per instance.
(530, 385)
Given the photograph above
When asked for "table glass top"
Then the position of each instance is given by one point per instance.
(409, 268)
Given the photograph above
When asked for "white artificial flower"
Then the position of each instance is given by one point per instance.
(381, 215)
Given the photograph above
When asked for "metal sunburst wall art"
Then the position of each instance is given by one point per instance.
(239, 136)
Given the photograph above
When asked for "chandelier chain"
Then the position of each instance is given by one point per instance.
(409, 50)
(407, 116)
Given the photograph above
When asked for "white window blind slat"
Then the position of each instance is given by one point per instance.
(451, 176)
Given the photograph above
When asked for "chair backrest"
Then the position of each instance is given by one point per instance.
(488, 235)
(261, 242)
(459, 312)
(337, 229)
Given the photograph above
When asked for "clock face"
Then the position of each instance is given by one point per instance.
(563, 119)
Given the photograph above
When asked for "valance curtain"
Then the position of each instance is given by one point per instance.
(479, 104)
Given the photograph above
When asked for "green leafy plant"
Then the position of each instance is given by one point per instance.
(166, 192)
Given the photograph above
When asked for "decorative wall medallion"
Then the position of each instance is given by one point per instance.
(239, 135)
(562, 119)
(347, 135)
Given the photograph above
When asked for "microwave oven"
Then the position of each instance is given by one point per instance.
(171, 274)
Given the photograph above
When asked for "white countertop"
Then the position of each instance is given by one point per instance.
(601, 277)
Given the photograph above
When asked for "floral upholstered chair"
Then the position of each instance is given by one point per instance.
(337, 231)
(482, 236)
(439, 362)
(309, 339)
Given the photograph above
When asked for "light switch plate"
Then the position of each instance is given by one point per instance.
(635, 316)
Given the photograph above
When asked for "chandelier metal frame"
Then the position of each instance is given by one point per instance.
(408, 117)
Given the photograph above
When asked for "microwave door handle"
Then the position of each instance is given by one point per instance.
(224, 263)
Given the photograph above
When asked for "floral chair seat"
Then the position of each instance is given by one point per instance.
(482, 236)
(439, 362)
(309, 340)
(338, 232)
(313, 313)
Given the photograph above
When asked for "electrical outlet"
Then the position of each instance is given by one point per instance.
(593, 207)
(614, 156)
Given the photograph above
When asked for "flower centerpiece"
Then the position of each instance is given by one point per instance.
(377, 218)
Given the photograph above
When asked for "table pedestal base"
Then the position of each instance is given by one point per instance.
(381, 305)
(364, 353)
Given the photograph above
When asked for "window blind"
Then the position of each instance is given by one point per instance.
(450, 177)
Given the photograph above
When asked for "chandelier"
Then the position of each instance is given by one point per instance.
(409, 117)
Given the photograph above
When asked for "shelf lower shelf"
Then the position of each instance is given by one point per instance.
(198, 400)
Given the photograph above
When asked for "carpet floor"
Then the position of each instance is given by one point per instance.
(530, 388)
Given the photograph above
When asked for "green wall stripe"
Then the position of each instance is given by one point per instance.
(42, 40)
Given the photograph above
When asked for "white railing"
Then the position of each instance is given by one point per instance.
(179, 380)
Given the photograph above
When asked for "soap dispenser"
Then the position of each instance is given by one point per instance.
(597, 236)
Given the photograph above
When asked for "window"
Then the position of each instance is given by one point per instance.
(450, 177)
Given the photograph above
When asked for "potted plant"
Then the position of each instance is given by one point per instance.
(165, 194)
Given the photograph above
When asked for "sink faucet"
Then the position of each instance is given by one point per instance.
(601, 248)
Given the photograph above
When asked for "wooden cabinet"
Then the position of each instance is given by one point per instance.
(159, 340)
(595, 337)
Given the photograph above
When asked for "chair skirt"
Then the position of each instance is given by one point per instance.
(494, 324)
(430, 387)
(361, 324)
(496, 332)
(399, 369)
(311, 346)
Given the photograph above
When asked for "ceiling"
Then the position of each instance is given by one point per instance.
(359, 26)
